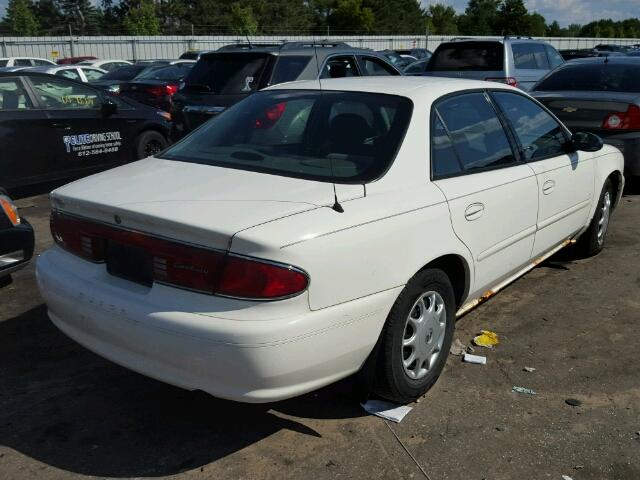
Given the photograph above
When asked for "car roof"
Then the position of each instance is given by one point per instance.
(321, 49)
(494, 40)
(422, 88)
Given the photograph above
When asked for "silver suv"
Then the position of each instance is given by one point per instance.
(517, 61)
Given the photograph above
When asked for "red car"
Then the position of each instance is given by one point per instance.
(74, 60)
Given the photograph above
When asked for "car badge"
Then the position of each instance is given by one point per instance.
(569, 109)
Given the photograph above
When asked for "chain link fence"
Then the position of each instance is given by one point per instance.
(167, 47)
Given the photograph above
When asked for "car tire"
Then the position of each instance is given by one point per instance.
(591, 242)
(420, 325)
(150, 143)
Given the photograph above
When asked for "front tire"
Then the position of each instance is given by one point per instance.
(592, 240)
(416, 337)
(150, 143)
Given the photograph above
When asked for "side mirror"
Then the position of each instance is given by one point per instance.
(586, 142)
(109, 108)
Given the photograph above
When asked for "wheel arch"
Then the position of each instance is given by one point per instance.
(457, 269)
(617, 182)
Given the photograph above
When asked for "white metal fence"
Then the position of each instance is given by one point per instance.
(164, 47)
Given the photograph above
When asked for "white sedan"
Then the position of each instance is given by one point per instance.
(304, 231)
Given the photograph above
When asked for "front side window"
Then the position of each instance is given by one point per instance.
(69, 73)
(339, 67)
(530, 56)
(288, 68)
(56, 93)
(92, 74)
(343, 137)
(376, 67)
(478, 138)
(12, 95)
(539, 134)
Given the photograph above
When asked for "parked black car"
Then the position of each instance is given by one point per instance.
(573, 53)
(111, 80)
(417, 53)
(53, 127)
(16, 239)
(157, 86)
(599, 95)
(224, 77)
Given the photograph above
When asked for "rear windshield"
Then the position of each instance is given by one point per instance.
(475, 56)
(189, 56)
(228, 73)
(124, 73)
(599, 77)
(172, 72)
(342, 137)
(289, 68)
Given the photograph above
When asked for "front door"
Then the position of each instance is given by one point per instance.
(492, 196)
(565, 178)
(86, 138)
(24, 136)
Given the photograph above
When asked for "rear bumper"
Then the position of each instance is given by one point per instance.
(16, 247)
(629, 145)
(197, 342)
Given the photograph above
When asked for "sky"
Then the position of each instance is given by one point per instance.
(564, 11)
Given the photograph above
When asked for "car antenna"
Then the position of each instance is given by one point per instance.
(246, 35)
(336, 204)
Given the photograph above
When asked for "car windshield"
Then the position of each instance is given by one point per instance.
(596, 77)
(331, 136)
(124, 73)
(172, 72)
(470, 56)
(228, 73)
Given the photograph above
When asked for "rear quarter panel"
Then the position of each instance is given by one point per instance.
(607, 161)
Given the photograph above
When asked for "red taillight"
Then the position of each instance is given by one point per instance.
(271, 115)
(629, 120)
(161, 90)
(508, 80)
(181, 265)
(248, 278)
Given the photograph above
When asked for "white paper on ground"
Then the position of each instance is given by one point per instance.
(386, 410)
(480, 360)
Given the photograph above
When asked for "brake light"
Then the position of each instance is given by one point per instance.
(181, 265)
(162, 90)
(508, 80)
(10, 210)
(271, 115)
(629, 120)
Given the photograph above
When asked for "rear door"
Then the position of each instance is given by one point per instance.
(565, 179)
(86, 139)
(492, 196)
(24, 136)
(530, 63)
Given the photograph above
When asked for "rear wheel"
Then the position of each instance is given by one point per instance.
(150, 143)
(416, 337)
(592, 240)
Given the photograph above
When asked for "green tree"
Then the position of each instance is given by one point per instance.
(480, 18)
(513, 18)
(283, 16)
(401, 17)
(536, 25)
(141, 19)
(554, 30)
(81, 16)
(442, 20)
(49, 17)
(351, 17)
(242, 20)
(20, 19)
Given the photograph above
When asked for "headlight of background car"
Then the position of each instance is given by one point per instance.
(10, 210)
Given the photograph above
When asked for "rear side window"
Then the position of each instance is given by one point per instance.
(539, 134)
(3, 63)
(476, 133)
(289, 68)
(12, 95)
(41, 63)
(22, 62)
(530, 56)
(555, 59)
(470, 56)
(228, 74)
(444, 160)
(338, 67)
(594, 77)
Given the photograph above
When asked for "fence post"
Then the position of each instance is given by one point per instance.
(4, 48)
(134, 49)
(72, 48)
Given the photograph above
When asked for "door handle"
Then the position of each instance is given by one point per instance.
(64, 126)
(474, 211)
(548, 187)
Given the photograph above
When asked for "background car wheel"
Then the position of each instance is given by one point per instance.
(416, 337)
(150, 143)
(591, 242)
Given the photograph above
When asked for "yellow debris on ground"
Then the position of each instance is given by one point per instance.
(486, 339)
